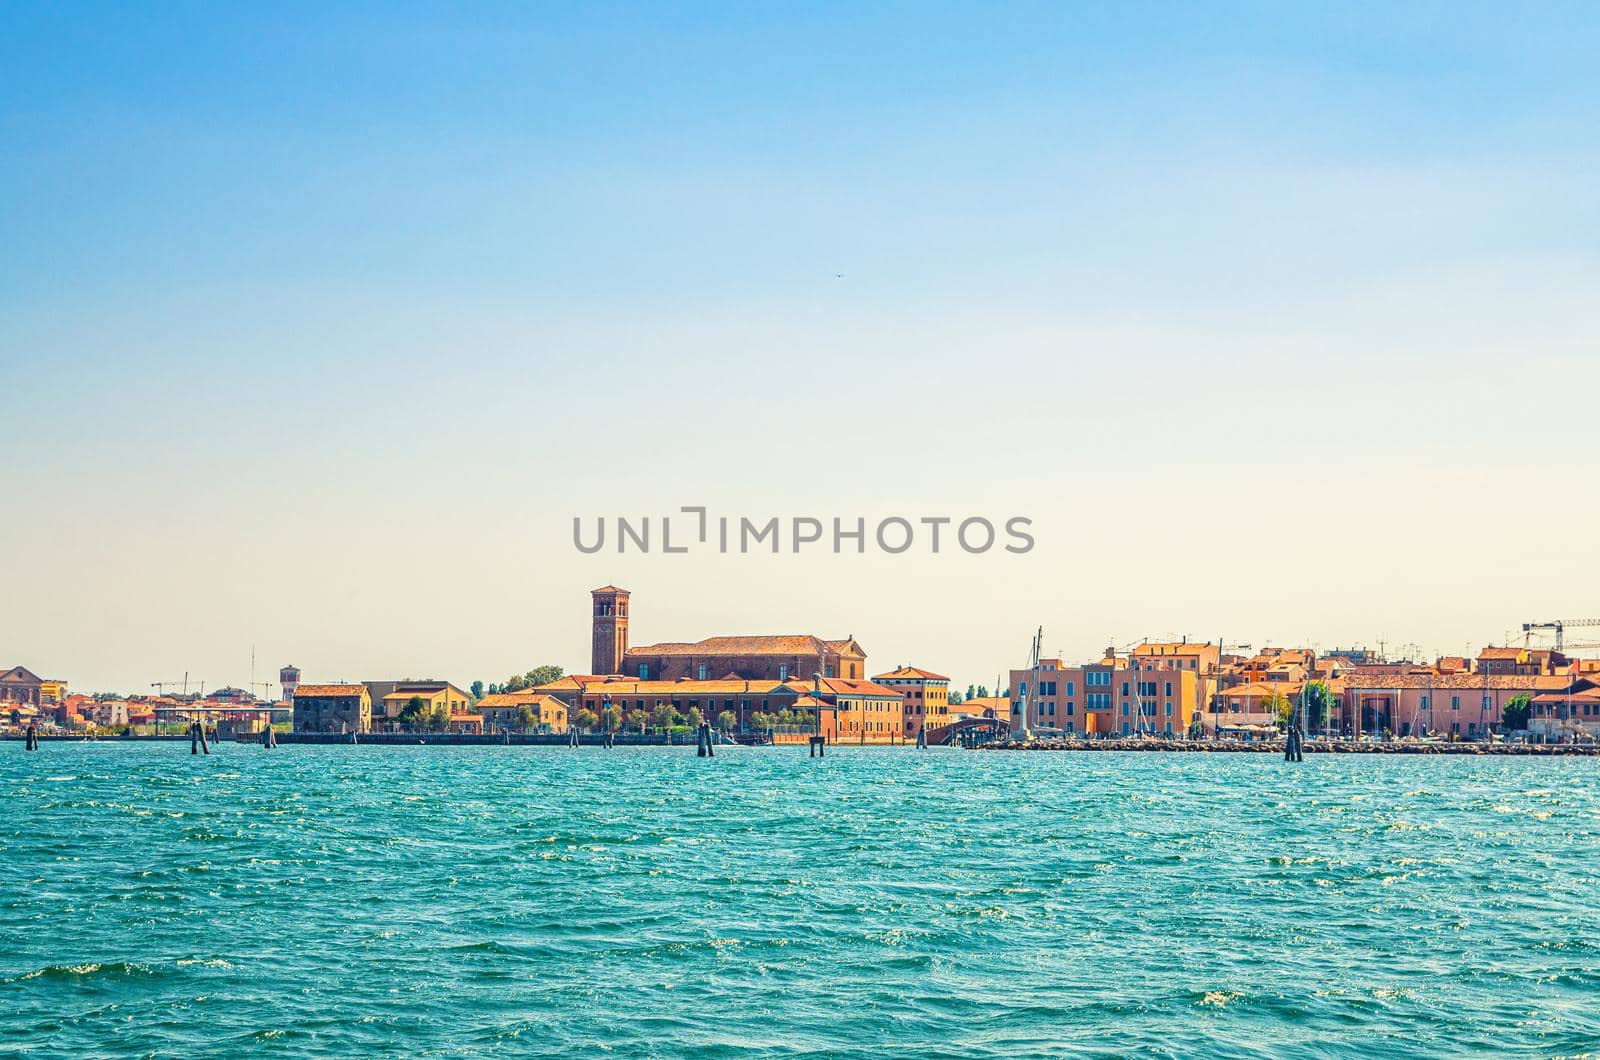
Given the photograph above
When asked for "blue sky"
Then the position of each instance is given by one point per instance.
(1152, 272)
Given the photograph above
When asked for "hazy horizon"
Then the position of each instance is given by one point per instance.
(321, 326)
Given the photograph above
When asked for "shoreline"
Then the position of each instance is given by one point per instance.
(602, 740)
(1336, 747)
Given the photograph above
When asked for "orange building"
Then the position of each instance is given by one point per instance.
(1154, 693)
(784, 657)
(926, 695)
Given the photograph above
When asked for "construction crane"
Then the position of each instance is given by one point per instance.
(265, 686)
(1558, 627)
(161, 686)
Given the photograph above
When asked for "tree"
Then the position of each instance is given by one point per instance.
(527, 716)
(955, 697)
(476, 690)
(1319, 706)
(613, 715)
(727, 721)
(762, 719)
(586, 719)
(426, 717)
(539, 675)
(1514, 715)
(1279, 707)
(665, 716)
(412, 710)
(695, 718)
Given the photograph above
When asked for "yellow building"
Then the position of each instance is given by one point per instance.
(927, 698)
(428, 694)
(503, 712)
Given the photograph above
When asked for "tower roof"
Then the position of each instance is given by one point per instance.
(608, 589)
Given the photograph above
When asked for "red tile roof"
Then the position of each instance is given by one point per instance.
(911, 673)
(781, 644)
(329, 690)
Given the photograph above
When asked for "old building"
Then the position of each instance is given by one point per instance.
(926, 696)
(332, 708)
(1151, 694)
(423, 694)
(22, 686)
(783, 657)
(522, 712)
(1416, 703)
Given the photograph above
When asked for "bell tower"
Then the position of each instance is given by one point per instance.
(610, 630)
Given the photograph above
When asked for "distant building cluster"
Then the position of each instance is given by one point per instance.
(791, 687)
(1196, 688)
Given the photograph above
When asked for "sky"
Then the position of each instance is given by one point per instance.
(320, 324)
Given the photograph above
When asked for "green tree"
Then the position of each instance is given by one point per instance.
(1319, 706)
(694, 718)
(762, 719)
(432, 717)
(586, 719)
(1514, 715)
(955, 697)
(539, 675)
(665, 716)
(412, 711)
(527, 717)
(727, 721)
(1279, 707)
(476, 690)
(613, 718)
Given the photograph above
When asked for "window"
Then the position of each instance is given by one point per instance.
(1069, 688)
(1455, 702)
(1022, 688)
(644, 671)
(783, 671)
(1169, 688)
(1124, 688)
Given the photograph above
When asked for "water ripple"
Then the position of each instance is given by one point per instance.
(642, 902)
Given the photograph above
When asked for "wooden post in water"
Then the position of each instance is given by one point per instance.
(922, 738)
(32, 743)
(819, 747)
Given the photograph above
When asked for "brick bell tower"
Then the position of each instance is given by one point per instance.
(610, 630)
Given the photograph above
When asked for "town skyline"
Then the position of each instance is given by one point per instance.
(569, 648)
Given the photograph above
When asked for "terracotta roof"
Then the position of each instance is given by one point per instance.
(329, 690)
(838, 686)
(1172, 648)
(1498, 682)
(514, 699)
(1587, 695)
(780, 644)
(1253, 690)
(610, 589)
(911, 673)
(572, 681)
(1500, 653)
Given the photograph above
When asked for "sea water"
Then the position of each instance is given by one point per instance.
(635, 902)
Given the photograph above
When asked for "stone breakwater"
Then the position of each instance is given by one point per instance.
(1391, 747)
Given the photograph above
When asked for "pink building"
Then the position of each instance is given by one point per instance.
(1468, 705)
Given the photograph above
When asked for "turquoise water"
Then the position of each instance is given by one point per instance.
(339, 900)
